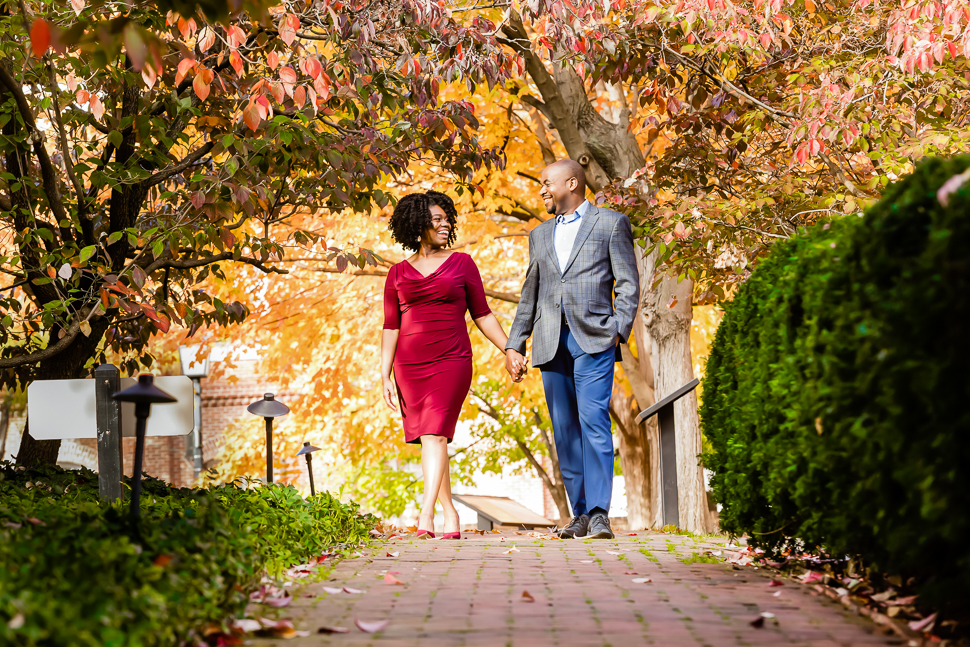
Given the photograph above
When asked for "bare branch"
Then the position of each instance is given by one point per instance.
(191, 159)
(209, 260)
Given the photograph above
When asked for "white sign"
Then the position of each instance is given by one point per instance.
(67, 409)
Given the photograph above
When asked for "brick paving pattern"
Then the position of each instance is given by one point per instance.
(468, 593)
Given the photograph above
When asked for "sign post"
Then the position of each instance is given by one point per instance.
(110, 460)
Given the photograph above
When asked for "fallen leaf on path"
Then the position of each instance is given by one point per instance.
(527, 597)
(247, 625)
(370, 627)
(374, 532)
(902, 602)
(776, 594)
(926, 624)
(768, 615)
(347, 589)
(279, 629)
(394, 554)
(394, 537)
(390, 579)
(411, 528)
(811, 576)
(333, 630)
(585, 561)
(776, 583)
(511, 550)
(642, 580)
(332, 590)
(537, 535)
(501, 538)
(630, 573)
(758, 622)
(630, 534)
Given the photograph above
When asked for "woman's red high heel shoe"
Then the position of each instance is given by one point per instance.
(422, 533)
(451, 535)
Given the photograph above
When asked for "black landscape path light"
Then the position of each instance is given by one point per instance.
(307, 450)
(144, 394)
(268, 408)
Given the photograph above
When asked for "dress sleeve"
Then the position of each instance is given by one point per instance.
(475, 291)
(392, 306)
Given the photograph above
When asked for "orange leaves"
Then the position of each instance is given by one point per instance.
(251, 115)
(288, 27)
(207, 38)
(311, 67)
(203, 77)
(40, 37)
(236, 37)
(273, 60)
(287, 74)
(390, 579)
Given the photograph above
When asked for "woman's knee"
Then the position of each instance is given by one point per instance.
(434, 441)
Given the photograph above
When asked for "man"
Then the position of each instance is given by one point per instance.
(577, 261)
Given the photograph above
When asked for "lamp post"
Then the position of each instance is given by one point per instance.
(144, 394)
(307, 450)
(268, 408)
(195, 369)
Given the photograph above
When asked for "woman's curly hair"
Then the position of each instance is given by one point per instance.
(412, 217)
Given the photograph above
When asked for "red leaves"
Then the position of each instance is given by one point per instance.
(273, 60)
(390, 579)
(40, 37)
(527, 597)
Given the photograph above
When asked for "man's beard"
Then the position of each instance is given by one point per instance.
(552, 208)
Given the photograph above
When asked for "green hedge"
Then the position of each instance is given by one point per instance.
(70, 573)
(837, 398)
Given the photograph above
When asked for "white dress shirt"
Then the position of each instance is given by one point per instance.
(567, 226)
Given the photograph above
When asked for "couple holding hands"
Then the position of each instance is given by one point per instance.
(578, 302)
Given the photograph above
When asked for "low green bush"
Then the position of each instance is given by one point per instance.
(72, 573)
(836, 397)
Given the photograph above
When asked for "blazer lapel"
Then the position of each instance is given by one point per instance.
(549, 240)
(585, 227)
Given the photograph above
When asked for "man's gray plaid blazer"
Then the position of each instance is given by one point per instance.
(602, 262)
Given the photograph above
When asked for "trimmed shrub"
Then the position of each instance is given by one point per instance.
(837, 402)
(72, 574)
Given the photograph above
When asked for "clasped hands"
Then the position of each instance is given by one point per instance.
(516, 365)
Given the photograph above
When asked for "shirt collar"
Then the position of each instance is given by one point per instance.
(568, 218)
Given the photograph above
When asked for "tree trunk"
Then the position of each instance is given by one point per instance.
(668, 314)
(4, 425)
(609, 151)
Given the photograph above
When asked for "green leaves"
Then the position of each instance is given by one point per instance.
(834, 393)
(87, 253)
(186, 570)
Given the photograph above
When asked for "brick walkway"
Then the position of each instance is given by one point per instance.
(469, 594)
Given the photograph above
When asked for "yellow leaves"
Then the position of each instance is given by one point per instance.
(810, 6)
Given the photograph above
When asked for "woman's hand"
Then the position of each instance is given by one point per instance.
(389, 390)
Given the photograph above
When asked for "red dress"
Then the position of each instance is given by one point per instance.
(433, 361)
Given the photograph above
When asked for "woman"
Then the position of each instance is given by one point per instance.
(425, 339)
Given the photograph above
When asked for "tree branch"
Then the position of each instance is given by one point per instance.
(190, 159)
(35, 136)
(208, 260)
(40, 355)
